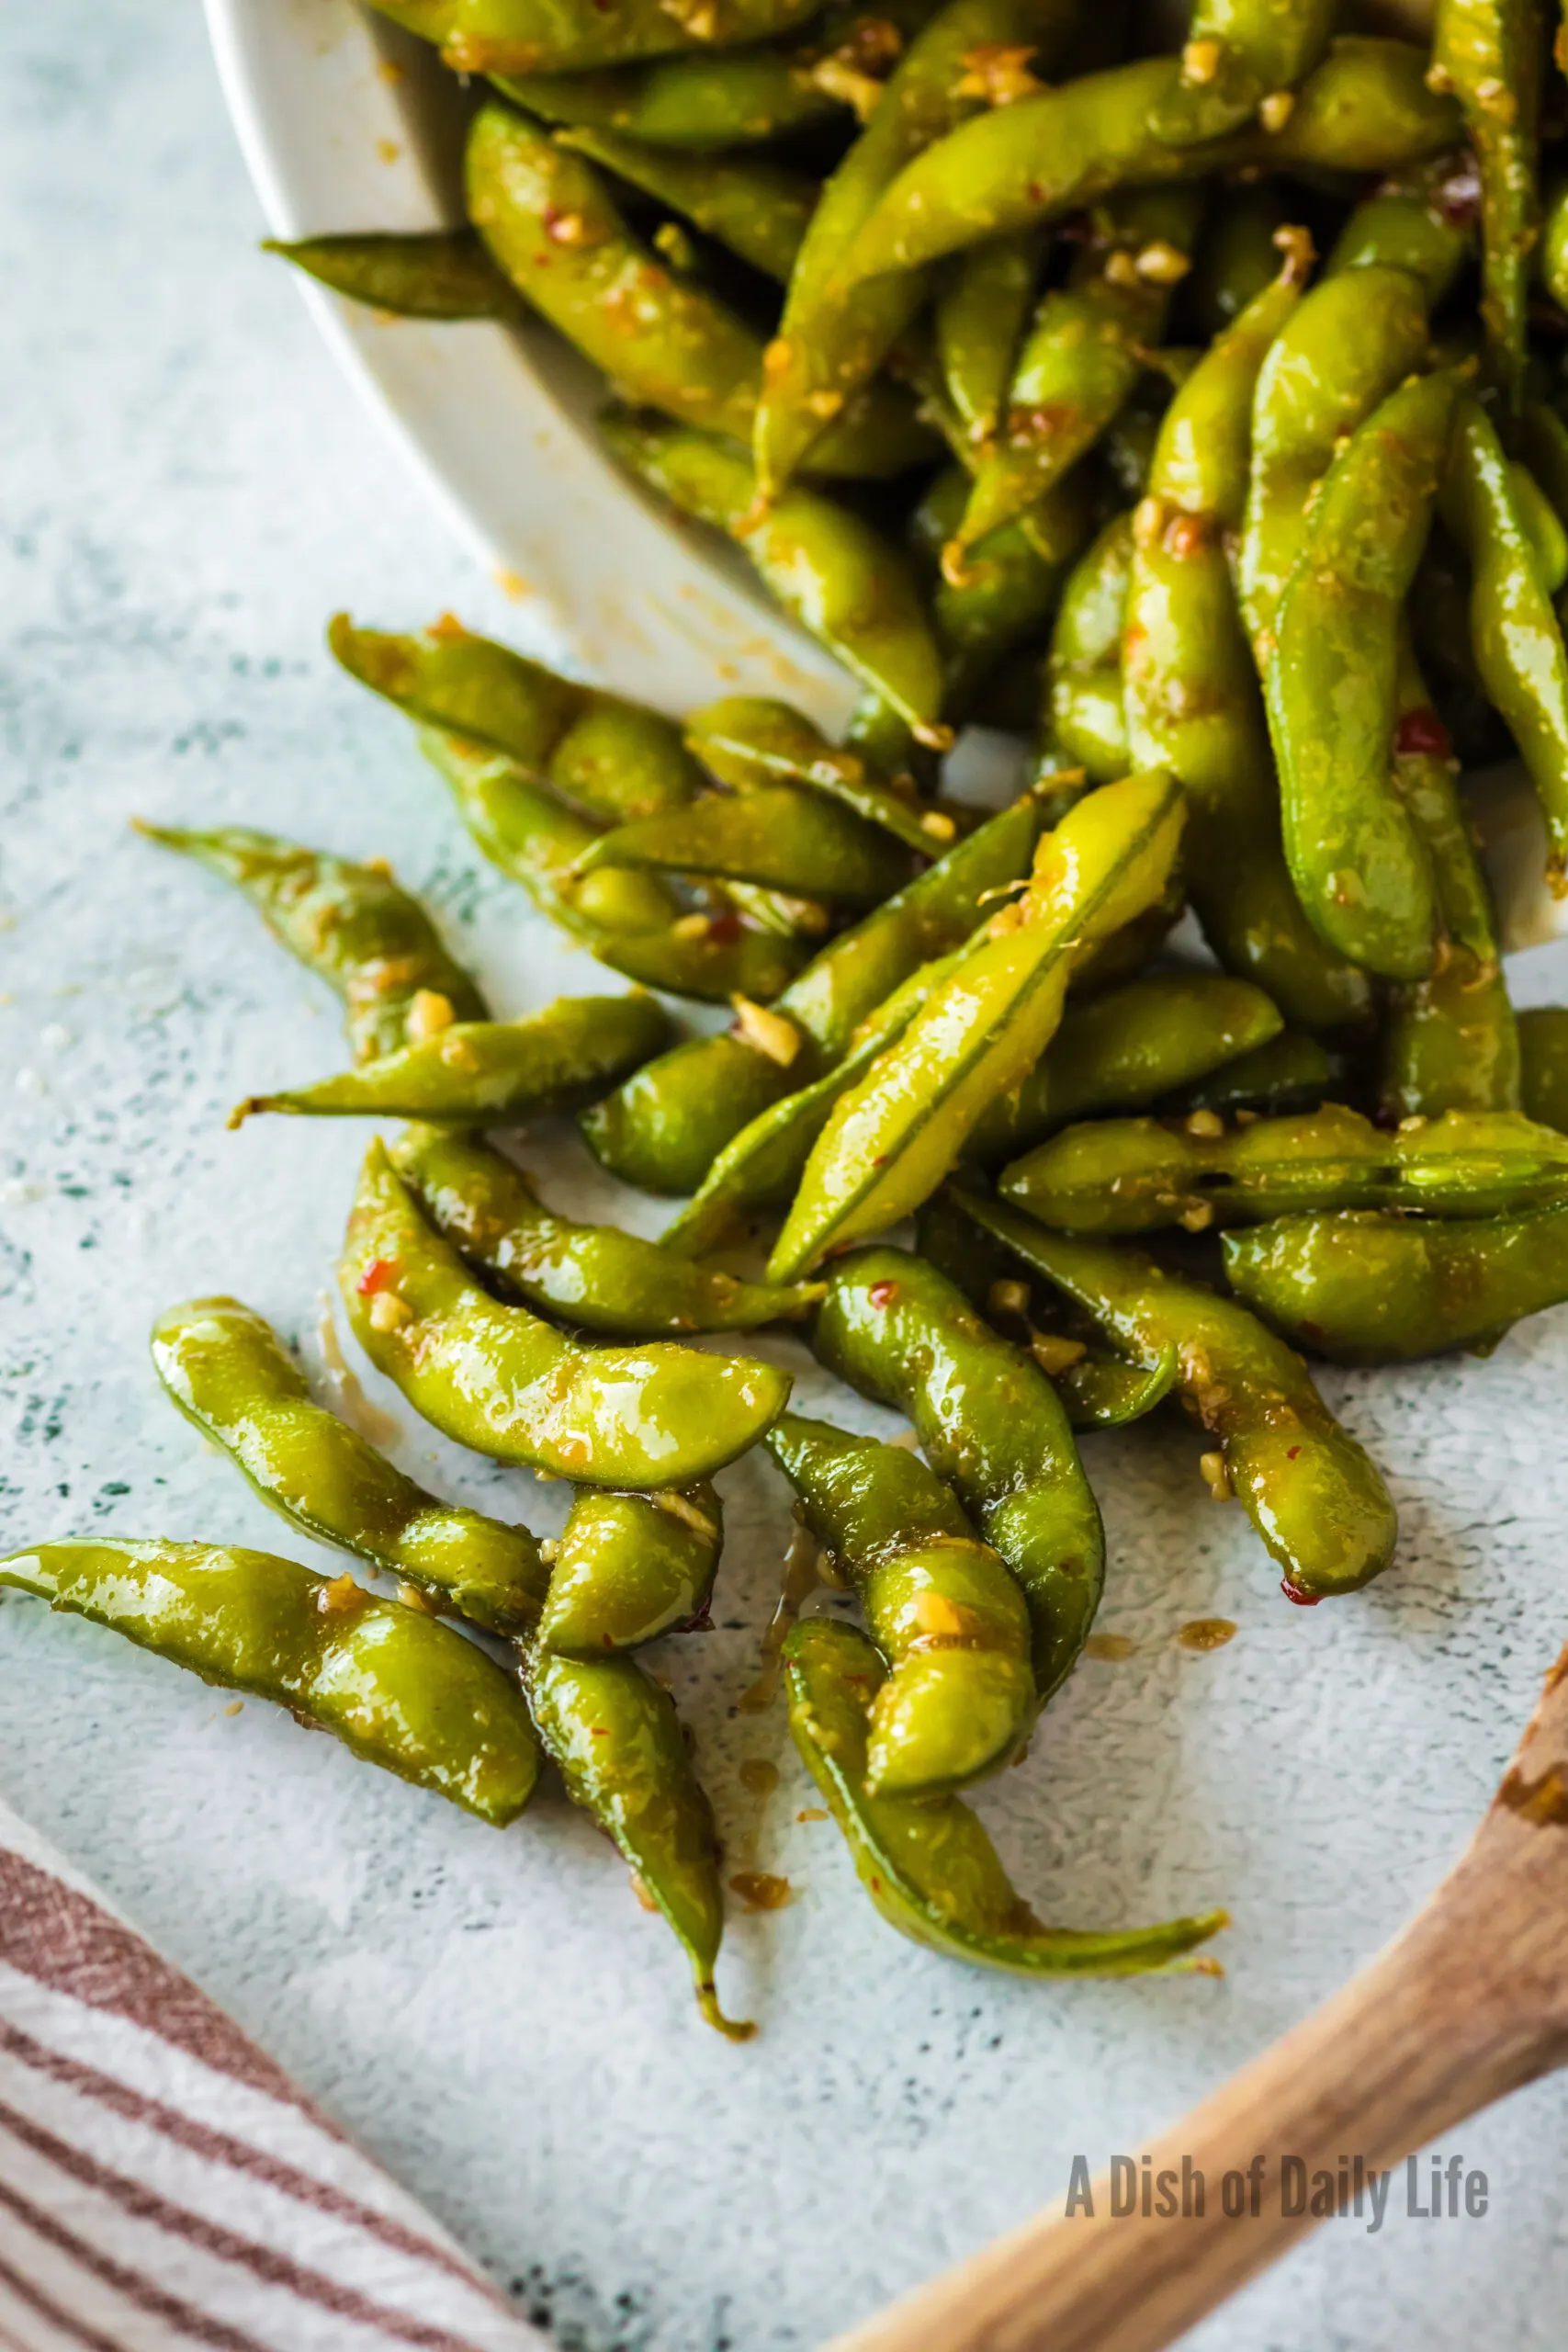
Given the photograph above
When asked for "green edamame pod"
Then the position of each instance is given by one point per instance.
(492, 1073)
(1488, 52)
(988, 1421)
(894, 1135)
(1009, 589)
(1423, 221)
(1312, 1492)
(613, 758)
(1365, 108)
(1362, 1288)
(1134, 1175)
(1543, 1055)
(231, 1375)
(751, 742)
(629, 1567)
(1359, 861)
(929, 1865)
(548, 221)
(592, 1276)
(572, 36)
(1553, 251)
(781, 838)
(1126, 1049)
(617, 1740)
(844, 584)
(352, 925)
(945, 1611)
(1539, 520)
(758, 209)
(442, 274)
(980, 311)
(1083, 670)
(1235, 257)
(701, 102)
(1239, 61)
(1291, 1072)
(396, 1687)
(496, 1378)
(1514, 632)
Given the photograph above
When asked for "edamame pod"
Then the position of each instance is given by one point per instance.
(988, 1421)
(943, 1610)
(1134, 1175)
(1008, 590)
(709, 99)
(352, 925)
(1361, 1288)
(1236, 256)
(492, 1073)
(231, 1375)
(617, 1740)
(1290, 1073)
(980, 311)
(573, 35)
(780, 838)
(1241, 60)
(1543, 1052)
(1083, 671)
(592, 1276)
(1313, 1493)
(929, 1865)
(441, 274)
(1488, 52)
(396, 1687)
(750, 744)
(758, 209)
(629, 1567)
(496, 1378)
(1423, 221)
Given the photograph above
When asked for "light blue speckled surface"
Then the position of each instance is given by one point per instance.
(188, 491)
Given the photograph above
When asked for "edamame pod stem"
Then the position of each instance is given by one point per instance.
(617, 1740)
(396, 1687)
(629, 1567)
(1543, 1053)
(758, 209)
(492, 1073)
(828, 344)
(666, 1127)
(1359, 861)
(894, 1135)
(614, 759)
(231, 1377)
(1125, 1049)
(1009, 589)
(1514, 632)
(751, 743)
(496, 1378)
(1421, 222)
(592, 1276)
(352, 925)
(1083, 670)
(442, 274)
(1488, 52)
(1366, 1289)
(1239, 61)
(928, 1864)
(844, 584)
(572, 36)
(1365, 108)
(980, 311)
(1312, 1492)
(988, 1421)
(1134, 1175)
(781, 838)
(945, 1611)
(548, 221)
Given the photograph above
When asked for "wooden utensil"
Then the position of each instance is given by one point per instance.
(1468, 2002)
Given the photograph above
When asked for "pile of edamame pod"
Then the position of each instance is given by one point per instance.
(1204, 408)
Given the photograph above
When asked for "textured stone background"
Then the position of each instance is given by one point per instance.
(188, 491)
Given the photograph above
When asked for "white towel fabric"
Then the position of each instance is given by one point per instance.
(164, 2187)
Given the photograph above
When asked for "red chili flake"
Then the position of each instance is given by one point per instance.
(1421, 734)
(1291, 1451)
(725, 929)
(1184, 536)
(1293, 1592)
(883, 1293)
(379, 1275)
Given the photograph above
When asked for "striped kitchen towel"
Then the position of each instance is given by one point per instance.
(163, 2186)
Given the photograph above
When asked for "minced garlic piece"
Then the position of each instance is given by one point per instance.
(388, 1312)
(428, 1014)
(770, 1033)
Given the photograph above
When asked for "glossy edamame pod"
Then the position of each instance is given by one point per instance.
(666, 1127)
(830, 345)
(894, 1135)
(399, 1689)
(617, 1740)
(1240, 60)
(492, 1073)
(573, 35)
(1554, 247)
(980, 310)
(1423, 221)
(1291, 1072)
(1313, 1493)
(230, 1374)
(1009, 589)
(1133, 1175)
(1125, 1050)
(844, 584)
(929, 1865)
(758, 209)
(629, 1567)
(592, 1276)
(1365, 108)
(751, 742)
(352, 925)
(1543, 1055)
(1358, 861)
(439, 273)
(1488, 52)
(497, 1379)
(1083, 670)
(781, 838)
(1538, 517)
(988, 1421)
(613, 758)
(943, 1610)
(1364, 1288)
(1514, 632)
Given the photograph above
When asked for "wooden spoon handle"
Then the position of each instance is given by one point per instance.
(1470, 2002)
